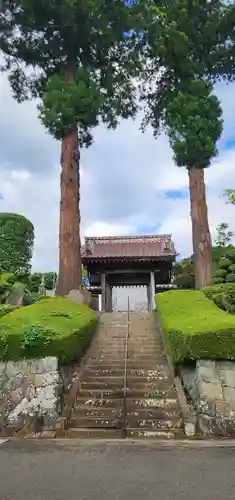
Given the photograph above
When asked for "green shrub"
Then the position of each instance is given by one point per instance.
(217, 280)
(223, 295)
(31, 298)
(194, 327)
(6, 309)
(230, 254)
(185, 281)
(220, 273)
(52, 327)
(230, 278)
(232, 268)
(225, 263)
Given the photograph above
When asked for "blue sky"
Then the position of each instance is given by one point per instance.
(129, 183)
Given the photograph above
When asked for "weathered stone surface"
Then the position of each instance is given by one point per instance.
(15, 298)
(30, 393)
(212, 388)
(76, 296)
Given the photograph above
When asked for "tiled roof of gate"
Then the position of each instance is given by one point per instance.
(128, 247)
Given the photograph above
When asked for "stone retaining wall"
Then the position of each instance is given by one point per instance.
(211, 386)
(31, 394)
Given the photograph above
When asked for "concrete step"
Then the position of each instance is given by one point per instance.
(96, 433)
(161, 371)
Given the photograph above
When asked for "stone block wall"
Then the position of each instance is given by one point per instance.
(30, 394)
(211, 386)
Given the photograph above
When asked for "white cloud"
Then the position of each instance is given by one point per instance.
(124, 178)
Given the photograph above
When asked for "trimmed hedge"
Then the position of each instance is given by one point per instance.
(52, 327)
(194, 327)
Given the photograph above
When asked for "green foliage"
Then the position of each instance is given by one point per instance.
(229, 195)
(225, 263)
(36, 337)
(194, 327)
(16, 243)
(185, 281)
(223, 295)
(185, 41)
(216, 279)
(224, 236)
(193, 122)
(77, 60)
(230, 278)
(232, 268)
(220, 273)
(31, 297)
(6, 309)
(52, 327)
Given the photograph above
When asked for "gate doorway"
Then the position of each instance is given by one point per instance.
(137, 295)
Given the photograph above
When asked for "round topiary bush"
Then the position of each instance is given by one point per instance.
(230, 254)
(232, 268)
(231, 278)
(220, 273)
(225, 263)
(217, 280)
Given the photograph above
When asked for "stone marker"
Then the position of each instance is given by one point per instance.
(80, 296)
(17, 295)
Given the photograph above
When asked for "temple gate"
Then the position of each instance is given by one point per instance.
(123, 261)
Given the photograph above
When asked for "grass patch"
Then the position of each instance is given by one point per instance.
(52, 327)
(194, 327)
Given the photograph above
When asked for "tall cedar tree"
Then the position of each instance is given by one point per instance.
(193, 123)
(188, 45)
(74, 56)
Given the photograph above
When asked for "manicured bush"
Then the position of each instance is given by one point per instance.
(223, 295)
(230, 278)
(195, 328)
(218, 280)
(232, 268)
(52, 327)
(224, 263)
(220, 273)
(6, 309)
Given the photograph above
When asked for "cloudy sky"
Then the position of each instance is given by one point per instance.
(130, 185)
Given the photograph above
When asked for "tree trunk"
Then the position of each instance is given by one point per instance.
(70, 272)
(202, 246)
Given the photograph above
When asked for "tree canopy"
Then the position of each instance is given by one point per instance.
(16, 243)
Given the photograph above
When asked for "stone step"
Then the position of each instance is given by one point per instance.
(152, 413)
(91, 403)
(97, 422)
(152, 385)
(154, 424)
(101, 412)
(90, 373)
(103, 383)
(100, 394)
(162, 371)
(150, 394)
(154, 434)
(97, 433)
(166, 403)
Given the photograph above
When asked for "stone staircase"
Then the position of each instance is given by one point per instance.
(150, 408)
